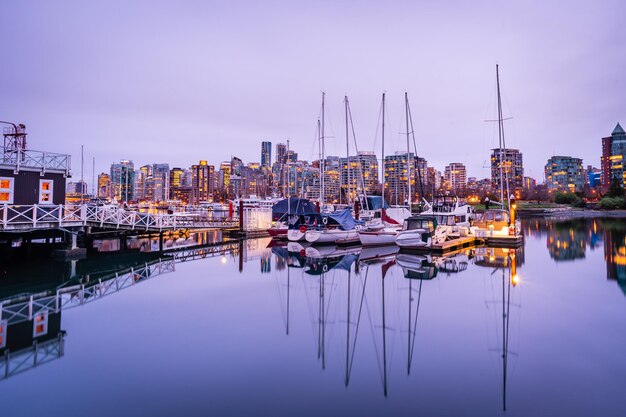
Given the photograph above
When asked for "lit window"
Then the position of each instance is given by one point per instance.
(46, 188)
(3, 334)
(40, 324)
(6, 190)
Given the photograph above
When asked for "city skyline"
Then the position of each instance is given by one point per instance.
(122, 94)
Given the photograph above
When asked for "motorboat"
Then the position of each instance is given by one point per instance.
(420, 232)
(451, 213)
(495, 223)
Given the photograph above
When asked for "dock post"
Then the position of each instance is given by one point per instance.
(160, 241)
(241, 217)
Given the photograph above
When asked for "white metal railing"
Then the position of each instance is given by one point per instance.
(45, 161)
(46, 216)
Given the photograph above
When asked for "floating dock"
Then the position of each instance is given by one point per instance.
(504, 241)
(455, 244)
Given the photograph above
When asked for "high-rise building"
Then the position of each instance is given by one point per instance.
(564, 173)
(161, 182)
(455, 176)
(512, 171)
(104, 186)
(614, 157)
(433, 180)
(361, 178)
(529, 183)
(122, 180)
(266, 154)
(281, 153)
(202, 182)
(224, 180)
(397, 180)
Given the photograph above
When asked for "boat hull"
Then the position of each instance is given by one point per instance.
(295, 235)
(329, 236)
(377, 238)
(413, 240)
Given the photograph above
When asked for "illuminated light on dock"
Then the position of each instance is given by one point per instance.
(515, 279)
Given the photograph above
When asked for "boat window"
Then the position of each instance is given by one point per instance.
(488, 216)
(499, 216)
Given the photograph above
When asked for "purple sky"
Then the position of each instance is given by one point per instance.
(171, 82)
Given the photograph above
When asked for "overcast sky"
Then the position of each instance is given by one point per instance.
(180, 81)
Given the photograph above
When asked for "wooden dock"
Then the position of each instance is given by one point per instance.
(504, 241)
(455, 244)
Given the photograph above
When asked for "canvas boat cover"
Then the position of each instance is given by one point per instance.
(293, 206)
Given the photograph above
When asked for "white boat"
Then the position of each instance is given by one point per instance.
(452, 214)
(420, 232)
(383, 236)
(329, 228)
(325, 236)
(296, 235)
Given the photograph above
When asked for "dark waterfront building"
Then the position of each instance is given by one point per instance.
(31, 177)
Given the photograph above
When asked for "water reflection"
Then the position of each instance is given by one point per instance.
(571, 239)
(373, 313)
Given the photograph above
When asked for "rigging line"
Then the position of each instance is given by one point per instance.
(419, 174)
(280, 299)
(380, 111)
(357, 151)
(417, 309)
(358, 321)
(369, 316)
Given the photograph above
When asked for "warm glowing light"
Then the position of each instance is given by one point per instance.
(515, 280)
(224, 260)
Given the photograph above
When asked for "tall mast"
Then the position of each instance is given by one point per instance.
(322, 150)
(408, 147)
(82, 161)
(383, 151)
(319, 168)
(288, 184)
(348, 181)
(93, 176)
(500, 137)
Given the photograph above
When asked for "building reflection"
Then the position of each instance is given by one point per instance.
(569, 241)
(614, 235)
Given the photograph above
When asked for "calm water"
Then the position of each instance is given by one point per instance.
(251, 330)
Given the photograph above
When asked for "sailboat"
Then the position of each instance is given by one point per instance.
(385, 231)
(499, 223)
(338, 225)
